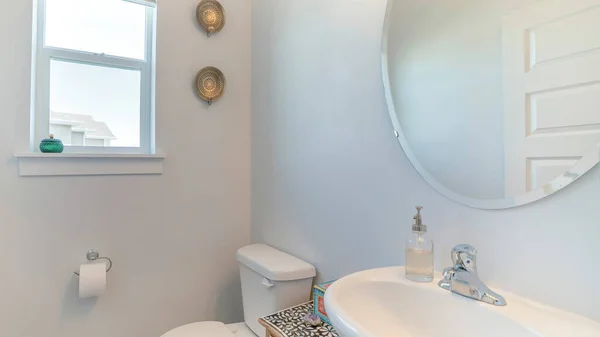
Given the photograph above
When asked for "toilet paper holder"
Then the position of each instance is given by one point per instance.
(93, 255)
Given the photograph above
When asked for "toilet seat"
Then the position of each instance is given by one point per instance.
(201, 329)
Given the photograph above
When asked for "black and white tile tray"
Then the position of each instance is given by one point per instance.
(290, 323)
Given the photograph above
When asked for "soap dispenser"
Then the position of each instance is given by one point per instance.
(419, 252)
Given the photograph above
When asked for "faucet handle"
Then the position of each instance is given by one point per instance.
(465, 256)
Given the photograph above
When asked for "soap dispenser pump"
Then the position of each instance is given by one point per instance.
(419, 252)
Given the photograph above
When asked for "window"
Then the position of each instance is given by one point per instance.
(94, 75)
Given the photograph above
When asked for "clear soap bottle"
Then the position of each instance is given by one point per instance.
(419, 252)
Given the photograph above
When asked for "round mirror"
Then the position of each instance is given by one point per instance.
(495, 102)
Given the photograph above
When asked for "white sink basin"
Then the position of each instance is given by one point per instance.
(382, 303)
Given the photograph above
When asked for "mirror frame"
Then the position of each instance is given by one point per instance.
(583, 166)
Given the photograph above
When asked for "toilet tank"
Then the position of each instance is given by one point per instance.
(271, 281)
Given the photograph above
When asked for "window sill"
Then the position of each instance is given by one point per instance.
(35, 164)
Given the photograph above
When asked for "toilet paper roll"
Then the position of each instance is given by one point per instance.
(92, 280)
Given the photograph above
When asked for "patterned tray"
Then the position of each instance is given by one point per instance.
(290, 323)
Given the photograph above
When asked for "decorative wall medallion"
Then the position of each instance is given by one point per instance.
(210, 84)
(211, 16)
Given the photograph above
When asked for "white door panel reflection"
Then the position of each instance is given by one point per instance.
(497, 102)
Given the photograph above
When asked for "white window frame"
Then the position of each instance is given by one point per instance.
(41, 95)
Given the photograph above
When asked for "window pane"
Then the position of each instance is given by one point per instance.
(94, 105)
(112, 27)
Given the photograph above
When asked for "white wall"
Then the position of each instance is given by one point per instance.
(332, 186)
(172, 237)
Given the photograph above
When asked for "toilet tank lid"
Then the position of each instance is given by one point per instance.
(274, 264)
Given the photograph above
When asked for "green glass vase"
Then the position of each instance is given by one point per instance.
(51, 145)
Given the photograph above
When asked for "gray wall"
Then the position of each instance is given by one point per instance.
(62, 132)
(172, 237)
(332, 186)
(77, 138)
(94, 142)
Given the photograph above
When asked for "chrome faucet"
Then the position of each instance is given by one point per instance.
(462, 278)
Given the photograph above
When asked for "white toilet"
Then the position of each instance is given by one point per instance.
(271, 281)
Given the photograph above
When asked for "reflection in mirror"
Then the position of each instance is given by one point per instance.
(495, 99)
